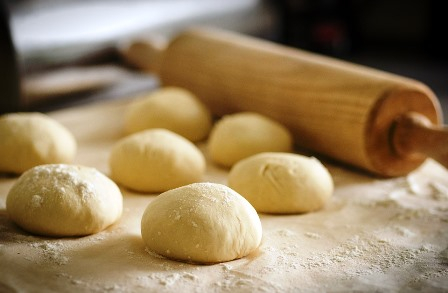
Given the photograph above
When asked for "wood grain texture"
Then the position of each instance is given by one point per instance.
(335, 108)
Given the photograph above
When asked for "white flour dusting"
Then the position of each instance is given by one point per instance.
(312, 235)
(366, 253)
(374, 236)
(52, 252)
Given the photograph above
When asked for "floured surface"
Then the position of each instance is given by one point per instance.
(374, 235)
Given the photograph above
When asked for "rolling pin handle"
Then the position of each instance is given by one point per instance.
(414, 135)
(145, 53)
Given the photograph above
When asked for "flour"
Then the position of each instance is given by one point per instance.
(53, 252)
(226, 267)
(444, 254)
(312, 235)
(170, 279)
(418, 214)
(60, 179)
(285, 233)
(374, 236)
(36, 201)
(88, 286)
(364, 255)
(440, 191)
(153, 254)
(402, 231)
(236, 281)
(426, 187)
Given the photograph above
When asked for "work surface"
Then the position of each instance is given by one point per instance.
(387, 235)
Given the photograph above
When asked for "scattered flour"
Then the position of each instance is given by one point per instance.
(237, 281)
(52, 252)
(312, 235)
(36, 201)
(367, 253)
(426, 187)
(444, 254)
(402, 231)
(170, 279)
(293, 257)
(153, 254)
(440, 191)
(285, 233)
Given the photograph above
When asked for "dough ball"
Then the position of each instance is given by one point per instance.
(64, 200)
(201, 223)
(156, 160)
(172, 108)
(241, 135)
(282, 182)
(32, 139)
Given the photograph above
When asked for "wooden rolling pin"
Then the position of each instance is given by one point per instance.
(384, 123)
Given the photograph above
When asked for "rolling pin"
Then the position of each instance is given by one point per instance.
(374, 120)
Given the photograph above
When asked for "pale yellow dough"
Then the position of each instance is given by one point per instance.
(156, 160)
(241, 135)
(172, 108)
(282, 182)
(201, 223)
(31, 139)
(64, 200)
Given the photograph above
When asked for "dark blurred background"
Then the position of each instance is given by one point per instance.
(405, 37)
(345, 28)
(399, 36)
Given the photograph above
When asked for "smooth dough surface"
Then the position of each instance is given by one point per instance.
(64, 200)
(156, 160)
(201, 223)
(31, 139)
(241, 135)
(282, 182)
(172, 108)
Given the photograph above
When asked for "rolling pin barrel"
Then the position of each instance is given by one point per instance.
(341, 110)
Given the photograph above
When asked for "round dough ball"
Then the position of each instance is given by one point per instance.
(201, 223)
(156, 160)
(64, 200)
(241, 135)
(172, 108)
(282, 182)
(32, 139)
